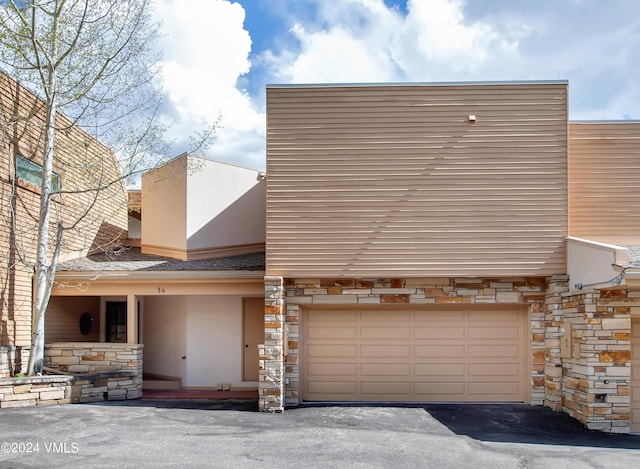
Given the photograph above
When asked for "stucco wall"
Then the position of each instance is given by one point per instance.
(211, 206)
(589, 263)
(226, 206)
(164, 206)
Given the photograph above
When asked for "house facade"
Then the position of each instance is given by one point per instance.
(457, 242)
(417, 243)
(82, 164)
(188, 292)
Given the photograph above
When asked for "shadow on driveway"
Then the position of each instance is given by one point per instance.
(513, 423)
(506, 423)
(520, 423)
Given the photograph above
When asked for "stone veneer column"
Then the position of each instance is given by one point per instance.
(556, 286)
(271, 374)
(596, 374)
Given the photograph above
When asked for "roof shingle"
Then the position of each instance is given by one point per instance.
(131, 259)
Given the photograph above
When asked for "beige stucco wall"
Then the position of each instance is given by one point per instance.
(164, 206)
(225, 206)
(194, 207)
(590, 263)
(399, 180)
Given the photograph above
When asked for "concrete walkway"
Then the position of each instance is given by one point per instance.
(152, 434)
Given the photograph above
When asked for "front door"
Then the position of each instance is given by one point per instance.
(253, 334)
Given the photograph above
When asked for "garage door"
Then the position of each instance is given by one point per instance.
(635, 375)
(419, 354)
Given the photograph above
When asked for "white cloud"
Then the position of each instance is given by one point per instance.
(206, 52)
(366, 41)
(209, 55)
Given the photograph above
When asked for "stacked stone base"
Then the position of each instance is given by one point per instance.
(13, 360)
(106, 386)
(37, 390)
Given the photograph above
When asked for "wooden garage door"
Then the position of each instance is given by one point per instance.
(418, 354)
(635, 375)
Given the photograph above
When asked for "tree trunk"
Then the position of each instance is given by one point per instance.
(45, 268)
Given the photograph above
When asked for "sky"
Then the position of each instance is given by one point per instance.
(219, 55)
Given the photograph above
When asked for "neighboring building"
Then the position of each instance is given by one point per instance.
(417, 249)
(192, 294)
(82, 163)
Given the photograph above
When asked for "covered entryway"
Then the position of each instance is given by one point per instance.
(474, 353)
(635, 375)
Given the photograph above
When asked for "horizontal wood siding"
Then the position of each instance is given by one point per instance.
(389, 180)
(62, 322)
(83, 164)
(604, 163)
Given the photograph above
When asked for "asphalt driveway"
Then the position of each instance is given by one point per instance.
(233, 434)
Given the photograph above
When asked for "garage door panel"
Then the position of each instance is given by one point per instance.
(494, 332)
(497, 315)
(382, 388)
(335, 350)
(384, 315)
(444, 388)
(439, 332)
(493, 388)
(332, 387)
(332, 369)
(443, 315)
(439, 369)
(494, 369)
(332, 315)
(333, 332)
(494, 350)
(385, 369)
(385, 333)
(439, 351)
(426, 353)
(385, 351)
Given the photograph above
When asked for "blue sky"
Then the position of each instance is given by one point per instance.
(220, 54)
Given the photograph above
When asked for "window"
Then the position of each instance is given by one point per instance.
(31, 173)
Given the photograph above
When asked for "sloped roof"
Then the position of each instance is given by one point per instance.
(130, 259)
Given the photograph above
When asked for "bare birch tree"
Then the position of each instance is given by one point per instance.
(93, 61)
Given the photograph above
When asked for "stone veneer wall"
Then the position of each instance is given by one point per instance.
(13, 360)
(271, 353)
(418, 291)
(117, 369)
(35, 390)
(594, 384)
